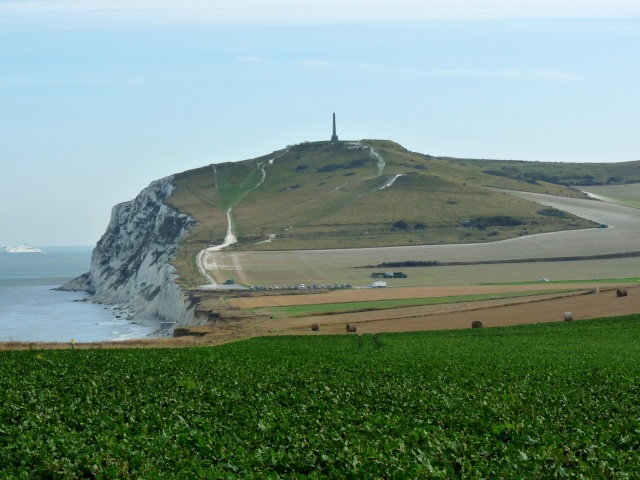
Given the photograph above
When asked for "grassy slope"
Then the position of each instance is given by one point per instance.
(196, 195)
(537, 401)
(562, 173)
(206, 194)
(323, 195)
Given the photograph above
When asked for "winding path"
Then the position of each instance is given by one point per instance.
(209, 258)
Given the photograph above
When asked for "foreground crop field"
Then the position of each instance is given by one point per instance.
(535, 401)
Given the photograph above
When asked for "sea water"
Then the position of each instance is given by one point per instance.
(31, 311)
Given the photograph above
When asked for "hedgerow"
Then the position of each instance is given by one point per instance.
(538, 401)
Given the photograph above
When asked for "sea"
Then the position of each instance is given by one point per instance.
(32, 311)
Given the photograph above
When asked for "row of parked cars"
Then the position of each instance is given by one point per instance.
(302, 286)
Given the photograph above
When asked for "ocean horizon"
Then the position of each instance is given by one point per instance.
(32, 311)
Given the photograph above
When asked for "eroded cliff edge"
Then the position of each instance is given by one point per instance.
(130, 264)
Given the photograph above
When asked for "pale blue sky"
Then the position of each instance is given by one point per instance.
(100, 97)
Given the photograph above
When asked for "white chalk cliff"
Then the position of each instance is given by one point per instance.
(130, 264)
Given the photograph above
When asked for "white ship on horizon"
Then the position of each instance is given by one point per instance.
(22, 249)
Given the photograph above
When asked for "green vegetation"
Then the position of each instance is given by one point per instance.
(433, 263)
(538, 401)
(234, 180)
(567, 174)
(350, 307)
(552, 212)
(481, 223)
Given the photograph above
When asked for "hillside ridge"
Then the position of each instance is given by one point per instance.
(372, 193)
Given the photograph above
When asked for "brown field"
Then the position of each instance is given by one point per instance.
(540, 308)
(375, 294)
(492, 313)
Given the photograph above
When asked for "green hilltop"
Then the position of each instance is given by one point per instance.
(318, 195)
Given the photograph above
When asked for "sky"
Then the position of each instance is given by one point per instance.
(98, 98)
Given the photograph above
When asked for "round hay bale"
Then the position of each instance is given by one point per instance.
(476, 324)
(568, 316)
(351, 328)
(315, 327)
(595, 290)
(622, 292)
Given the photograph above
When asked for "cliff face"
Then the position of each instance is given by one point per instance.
(130, 264)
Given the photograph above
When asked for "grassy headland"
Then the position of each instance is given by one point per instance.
(359, 194)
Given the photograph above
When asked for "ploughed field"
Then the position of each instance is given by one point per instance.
(533, 401)
(503, 310)
(418, 308)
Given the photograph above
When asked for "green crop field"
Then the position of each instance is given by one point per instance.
(538, 401)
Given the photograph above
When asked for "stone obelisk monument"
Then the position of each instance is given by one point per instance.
(334, 137)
